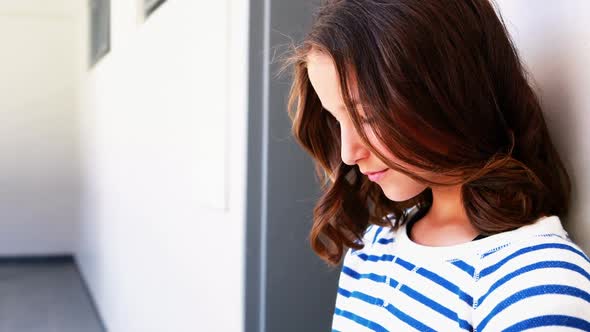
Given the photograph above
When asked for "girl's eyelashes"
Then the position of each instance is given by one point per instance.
(325, 111)
(328, 114)
(332, 118)
(364, 120)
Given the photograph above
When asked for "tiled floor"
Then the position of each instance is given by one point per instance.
(45, 295)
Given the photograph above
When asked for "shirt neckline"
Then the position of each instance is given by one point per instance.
(547, 224)
(412, 221)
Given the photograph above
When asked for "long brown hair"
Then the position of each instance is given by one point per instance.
(449, 94)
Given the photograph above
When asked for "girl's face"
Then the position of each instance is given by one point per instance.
(395, 185)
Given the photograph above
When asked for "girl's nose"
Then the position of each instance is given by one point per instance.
(352, 148)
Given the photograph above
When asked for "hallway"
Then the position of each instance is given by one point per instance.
(45, 294)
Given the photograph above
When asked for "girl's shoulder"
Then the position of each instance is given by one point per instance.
(542, 279)
(375, 235)
(545, 240)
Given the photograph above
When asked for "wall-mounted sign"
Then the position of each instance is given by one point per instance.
(100, 29)
(149, 6)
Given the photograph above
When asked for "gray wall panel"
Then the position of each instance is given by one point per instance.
(299, 289)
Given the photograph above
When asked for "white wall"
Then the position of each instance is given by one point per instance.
(39, 148)
(163, 134)
(554, 40)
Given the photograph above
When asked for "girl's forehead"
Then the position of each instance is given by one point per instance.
(325, 79)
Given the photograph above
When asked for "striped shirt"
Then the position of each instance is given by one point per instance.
(533, 276)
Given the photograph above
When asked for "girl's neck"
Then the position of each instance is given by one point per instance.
(446, 222)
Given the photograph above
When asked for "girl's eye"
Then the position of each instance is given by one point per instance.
(329, 115)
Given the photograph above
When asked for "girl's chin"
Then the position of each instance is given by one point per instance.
(397, 196)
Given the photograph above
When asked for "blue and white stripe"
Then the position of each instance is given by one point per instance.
(533, 277)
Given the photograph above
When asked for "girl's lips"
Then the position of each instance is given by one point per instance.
(377, 176)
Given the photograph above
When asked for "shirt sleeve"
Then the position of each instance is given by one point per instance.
(540, 285)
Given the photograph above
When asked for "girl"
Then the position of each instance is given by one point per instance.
(442, 188)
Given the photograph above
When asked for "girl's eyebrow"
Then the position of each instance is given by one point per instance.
(342, 107)
(354, 103)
